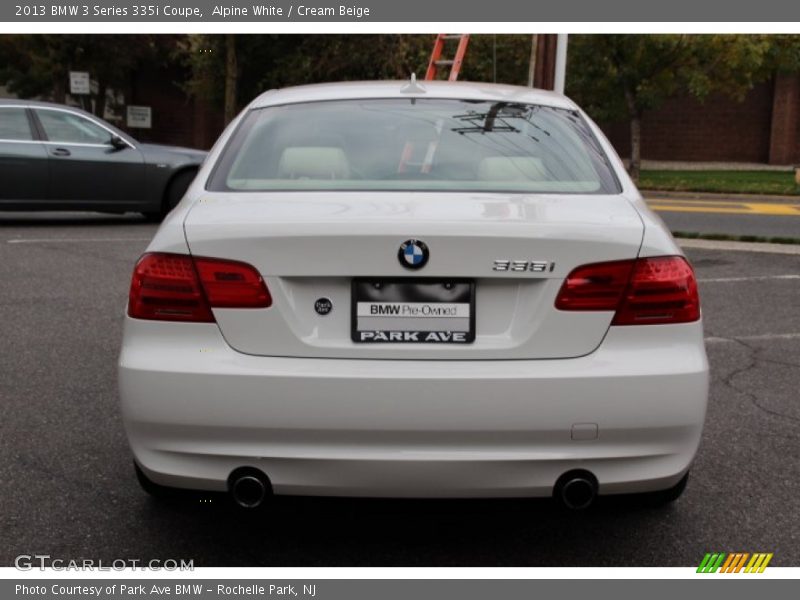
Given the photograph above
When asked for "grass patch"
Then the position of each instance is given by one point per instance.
(693, 235)
(731, 182)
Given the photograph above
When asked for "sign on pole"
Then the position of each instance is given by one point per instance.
(140, 116)
(79, 83)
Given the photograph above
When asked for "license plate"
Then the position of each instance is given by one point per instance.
(413, 311)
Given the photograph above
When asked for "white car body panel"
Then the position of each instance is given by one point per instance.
(286, 391)
(310, 245)
(195, 409)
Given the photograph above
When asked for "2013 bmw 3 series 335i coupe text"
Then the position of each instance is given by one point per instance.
(390, 289)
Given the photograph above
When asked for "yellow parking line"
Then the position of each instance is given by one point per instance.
(670, 201)
(738, 208)
(701, 209)
(775, 209)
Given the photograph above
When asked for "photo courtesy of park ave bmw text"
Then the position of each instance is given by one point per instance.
(326, 300)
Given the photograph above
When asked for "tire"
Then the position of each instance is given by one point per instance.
(666, 497)
(176, 188)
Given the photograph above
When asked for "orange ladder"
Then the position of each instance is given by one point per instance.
(436, 56)
(433, 67)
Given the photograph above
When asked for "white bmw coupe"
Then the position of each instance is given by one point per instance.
(413, 290)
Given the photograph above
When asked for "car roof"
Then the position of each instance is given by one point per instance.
(42, 104)
(34, 103)
(458, 90)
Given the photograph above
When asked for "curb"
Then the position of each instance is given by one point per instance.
(721, 197)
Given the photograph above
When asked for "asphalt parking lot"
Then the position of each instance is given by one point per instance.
(729, 214)
(69, 489)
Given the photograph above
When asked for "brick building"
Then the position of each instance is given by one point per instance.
(177, 118)
(763, 128)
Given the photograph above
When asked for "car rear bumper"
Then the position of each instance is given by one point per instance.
(195, 410)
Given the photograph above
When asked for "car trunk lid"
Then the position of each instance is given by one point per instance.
(311, 246)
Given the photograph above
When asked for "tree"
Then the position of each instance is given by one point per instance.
(500, 58)
(268, 61)
(614, 76)
(39, 65)
(231, 77)
(320, 58)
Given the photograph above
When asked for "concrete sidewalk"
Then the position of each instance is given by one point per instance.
(721, 197)
(677, 165)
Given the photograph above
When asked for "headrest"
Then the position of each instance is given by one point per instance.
(313, 162)
(511, 168)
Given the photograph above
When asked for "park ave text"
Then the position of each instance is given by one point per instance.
(175, 589)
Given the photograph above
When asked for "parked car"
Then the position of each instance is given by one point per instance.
(55, 157)
(416, 290)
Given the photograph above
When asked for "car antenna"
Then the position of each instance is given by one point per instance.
(412, 87)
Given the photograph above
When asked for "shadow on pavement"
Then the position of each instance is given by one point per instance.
(299, 531)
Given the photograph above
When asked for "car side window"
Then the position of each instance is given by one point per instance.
(69, 128)
(14, 125)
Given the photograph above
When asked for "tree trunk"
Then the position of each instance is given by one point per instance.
(59, 91)
(636, 148)
(100, 103)
(231, 77)
(635, 115)
(532, 61)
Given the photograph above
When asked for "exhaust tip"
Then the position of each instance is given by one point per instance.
(576, 490)
(249, 487)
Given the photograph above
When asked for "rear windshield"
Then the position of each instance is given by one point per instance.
(414, 145)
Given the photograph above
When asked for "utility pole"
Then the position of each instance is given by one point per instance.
(561, 63)
(532, 63)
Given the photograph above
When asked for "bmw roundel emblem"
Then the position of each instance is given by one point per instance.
(413, 254)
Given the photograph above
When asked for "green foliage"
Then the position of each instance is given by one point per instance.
(742, 182)
(602, 68)
(623, 76)
(39, 65)
(512, 54)
(783, 53)
(614, 76)
(319, 58)
(204, 57)
(270, 61)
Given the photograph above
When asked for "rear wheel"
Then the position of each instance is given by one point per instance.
(175, 190)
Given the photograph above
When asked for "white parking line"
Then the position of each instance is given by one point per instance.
(73, 240)
(737, 279)
(754, 338)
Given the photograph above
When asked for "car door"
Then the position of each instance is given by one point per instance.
(23, 159)
(86, 170)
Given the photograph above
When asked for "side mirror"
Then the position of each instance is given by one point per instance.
(117, 143)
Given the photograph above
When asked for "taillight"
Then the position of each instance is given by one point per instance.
(662, 290)
(175, 287)
(645, 291)
(597, 286)
(165, 287)
(231, 284)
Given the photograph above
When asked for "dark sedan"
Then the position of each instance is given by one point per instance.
(55, 157)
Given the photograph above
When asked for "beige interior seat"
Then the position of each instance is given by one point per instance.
(511, 168)
(313, 162)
